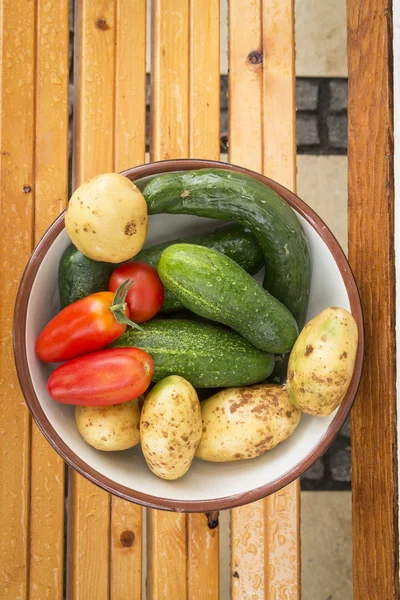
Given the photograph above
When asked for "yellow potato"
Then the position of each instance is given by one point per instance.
(246, 422)
(110, 427)
(170, 427)
(106, 218)
(321, 363)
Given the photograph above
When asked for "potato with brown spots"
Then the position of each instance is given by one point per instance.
(106, 218)
(110, 428)
(245, 422)
(170, 427)
(322, 360)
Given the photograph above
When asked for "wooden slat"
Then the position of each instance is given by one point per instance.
(245, 83)
(203, 558)
(130, 84)
(248, 523)
(51, 191)
(248, 562)
(170, 79)
(166, 534)
(130, 146)
(126, 550)
(94, 112)
(166, 555)
(265, 535)
(279, 163)
(17, 89)
(203, 542)
(371, 252)
(204, 79)
(279, 101)
(283, 543)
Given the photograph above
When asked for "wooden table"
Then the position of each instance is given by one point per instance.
(104, 557)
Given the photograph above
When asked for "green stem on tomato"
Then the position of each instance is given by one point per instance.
(119, 305)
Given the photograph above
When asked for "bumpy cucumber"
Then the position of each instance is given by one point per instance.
(233, 196)
(215, 287)
(79, 276)
(205, 354)
(231, 239)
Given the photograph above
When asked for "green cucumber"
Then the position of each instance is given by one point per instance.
(233, 196)
(231, 239)
(205, 354)
(79, 276)
(215, 287)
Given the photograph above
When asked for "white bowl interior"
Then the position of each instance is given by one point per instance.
(204, 481)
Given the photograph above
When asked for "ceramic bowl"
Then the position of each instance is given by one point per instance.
(207, 486)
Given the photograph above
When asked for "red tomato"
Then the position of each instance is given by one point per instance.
(84, 326)
(146, 294)
(102, 378)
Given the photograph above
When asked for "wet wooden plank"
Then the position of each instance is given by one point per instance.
(204, 79)
(51, 194)
(130, 146)
(371, 255)
(17, 123)
(170, 79)
(203, 542)
(261, 88)
(166, 532)
(245, 84)
(94, 111)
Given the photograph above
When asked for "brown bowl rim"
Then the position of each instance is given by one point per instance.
(19, 342)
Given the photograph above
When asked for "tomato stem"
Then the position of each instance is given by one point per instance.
(119, 305)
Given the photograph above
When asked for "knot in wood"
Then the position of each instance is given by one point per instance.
(101, 24)
(127, 538)
(255, 57)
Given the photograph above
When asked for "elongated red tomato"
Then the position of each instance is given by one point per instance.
(102, 378)
(87, 325)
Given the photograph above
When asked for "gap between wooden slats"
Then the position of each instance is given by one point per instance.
(51, 191)
(130, 146)
(94, 116)
(265, 535)
(17, 125)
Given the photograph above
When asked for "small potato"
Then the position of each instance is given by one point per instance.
(246, 422)
(106, 218)
(110, 427)
(170, 427)
(322, 360)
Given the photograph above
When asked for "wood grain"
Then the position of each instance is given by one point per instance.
(166, 532)
(371, 253)
(248, 562)
(130, 146)
(166, 555)
(265, 535)
(204, 79)
(279, 102)
(283, 542)
(17, 124)
(94, 118)
(170, 79)
(203, 558)
(245, 84)
(248, 523)
(203, 542)
(51, 194)
(130, 84)
(126, 550)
